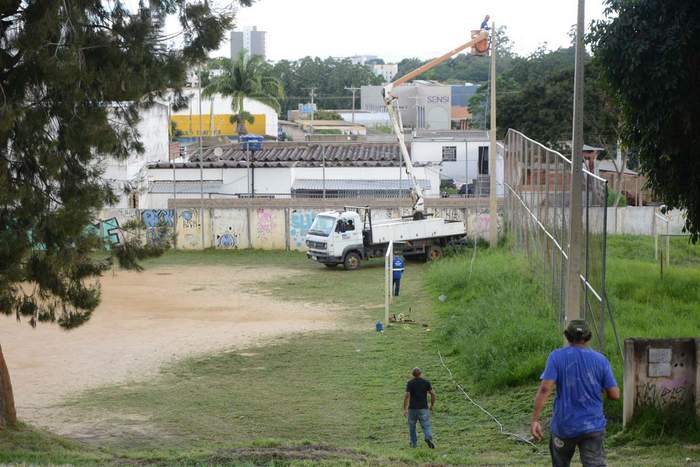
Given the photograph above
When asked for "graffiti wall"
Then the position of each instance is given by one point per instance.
(230, 229)
(268, 229)
(300, 221)
(190, 227)
(160, 224)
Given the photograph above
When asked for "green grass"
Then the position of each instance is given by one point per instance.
(334, 398)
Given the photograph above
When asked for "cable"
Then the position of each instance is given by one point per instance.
(500, 425)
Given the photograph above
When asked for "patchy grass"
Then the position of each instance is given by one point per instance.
(334, 398)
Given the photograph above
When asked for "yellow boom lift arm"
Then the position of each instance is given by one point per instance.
(392, 107)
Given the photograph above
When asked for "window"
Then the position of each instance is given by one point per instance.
(483, 160)
(133, 200)
(449, 153)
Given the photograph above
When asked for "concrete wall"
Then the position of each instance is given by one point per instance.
(633, 220)
(268, 224)
(660, 373)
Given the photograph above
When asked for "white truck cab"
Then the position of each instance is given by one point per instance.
(335, 237)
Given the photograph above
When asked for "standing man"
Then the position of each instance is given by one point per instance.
(485, 23)
(398, 268)
(580, 376)
(415, 407)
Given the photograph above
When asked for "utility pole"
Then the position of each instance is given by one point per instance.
(493, 159)
(312, 94)
(201, 161)
(354, 90)
(573, 286)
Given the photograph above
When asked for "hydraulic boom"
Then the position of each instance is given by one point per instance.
(392, 107)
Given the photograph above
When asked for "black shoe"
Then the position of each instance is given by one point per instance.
(430, 443)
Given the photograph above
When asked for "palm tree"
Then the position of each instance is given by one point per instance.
(246, 77)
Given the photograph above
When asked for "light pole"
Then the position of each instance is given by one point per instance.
(573, 287)
(201, 160)
(493, 159)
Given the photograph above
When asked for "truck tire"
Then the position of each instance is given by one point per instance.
(434, 253)
(331, 265)
(352, 261)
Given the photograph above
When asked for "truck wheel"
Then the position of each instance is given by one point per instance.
(434, 253)
(352, 261)
(331, 266)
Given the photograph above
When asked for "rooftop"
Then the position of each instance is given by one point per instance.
(296, 154)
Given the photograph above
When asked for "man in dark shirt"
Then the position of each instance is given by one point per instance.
(485, 23)
(415, 407)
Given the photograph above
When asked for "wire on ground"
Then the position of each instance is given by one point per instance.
(500, 425)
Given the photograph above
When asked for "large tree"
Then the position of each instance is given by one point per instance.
(243, 78)
(73, 76)
(650, 55)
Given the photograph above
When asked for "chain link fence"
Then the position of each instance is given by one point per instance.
(537, 200)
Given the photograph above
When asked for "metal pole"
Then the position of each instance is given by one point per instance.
(573, 288)
(201, 162)
(493, 206)
(323, 159)
(252, 174)
(354, 90)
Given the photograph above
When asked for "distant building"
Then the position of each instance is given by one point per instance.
(386, 71)
(362, 59)
(251, 40)
(423, 104)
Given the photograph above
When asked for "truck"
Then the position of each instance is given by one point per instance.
(344, 237)
(349, 236)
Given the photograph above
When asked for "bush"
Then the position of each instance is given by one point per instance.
(495, 318)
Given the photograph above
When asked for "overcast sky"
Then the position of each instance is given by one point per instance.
(395, 29)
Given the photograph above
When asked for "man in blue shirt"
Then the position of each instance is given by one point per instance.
(398, 269)
(580, 376)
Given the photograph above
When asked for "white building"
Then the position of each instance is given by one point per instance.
(249, 39)
(463, 157)
(387, 71)
(127, 176)
(286, 170)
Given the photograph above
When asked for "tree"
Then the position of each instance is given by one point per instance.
(73, 77)
(650, 59)
(246, 77)
(329, 77)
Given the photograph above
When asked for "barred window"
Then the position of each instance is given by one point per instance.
(449, 153)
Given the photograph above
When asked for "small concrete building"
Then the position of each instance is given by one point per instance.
(286, 170)
(463, 156)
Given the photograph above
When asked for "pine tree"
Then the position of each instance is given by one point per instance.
(73, 76)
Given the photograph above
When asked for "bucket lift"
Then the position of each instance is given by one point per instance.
(479, 44)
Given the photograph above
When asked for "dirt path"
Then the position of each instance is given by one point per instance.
(145, 320)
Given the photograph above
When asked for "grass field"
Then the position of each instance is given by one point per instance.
(335, 397)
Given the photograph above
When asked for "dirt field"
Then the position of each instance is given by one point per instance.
(145, 320)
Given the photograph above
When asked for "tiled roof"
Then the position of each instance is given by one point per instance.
(298, 155)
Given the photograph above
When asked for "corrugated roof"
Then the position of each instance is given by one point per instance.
(297, 154)
(356, 185)
(185, 187)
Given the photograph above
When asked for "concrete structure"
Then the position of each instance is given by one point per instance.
(249, 39)
(462, 155)
(284, 170)
(127, 177)
(423, 104)
(387, 71)
(661, 373)
(216, 114)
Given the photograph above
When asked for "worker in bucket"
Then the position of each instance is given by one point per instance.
(398, 268)
(580, 376)
(415, 407)
(485, 23)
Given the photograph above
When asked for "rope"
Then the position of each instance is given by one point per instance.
(500, 425)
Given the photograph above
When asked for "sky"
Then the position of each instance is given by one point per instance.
(394, 29)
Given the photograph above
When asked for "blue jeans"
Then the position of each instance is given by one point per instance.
(422, 416)
(590, 449)
(397, 286)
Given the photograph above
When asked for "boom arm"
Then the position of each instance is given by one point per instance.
(391, 102)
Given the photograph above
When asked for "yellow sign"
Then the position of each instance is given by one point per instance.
(189, 125)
